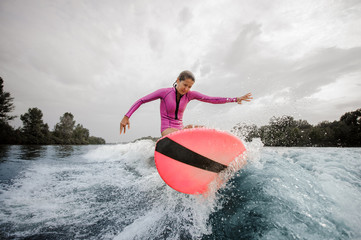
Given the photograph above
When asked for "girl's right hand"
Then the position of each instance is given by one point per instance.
(124, 123)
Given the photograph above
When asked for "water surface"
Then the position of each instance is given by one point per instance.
(115, 192)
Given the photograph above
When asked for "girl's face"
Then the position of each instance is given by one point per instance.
(184, 86)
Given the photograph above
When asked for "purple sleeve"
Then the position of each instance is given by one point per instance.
(150, 97)
(208, 99)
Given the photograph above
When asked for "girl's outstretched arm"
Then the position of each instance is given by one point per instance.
(219, 100)
(150, 97)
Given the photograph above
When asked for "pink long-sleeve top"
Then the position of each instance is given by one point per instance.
(171, 111)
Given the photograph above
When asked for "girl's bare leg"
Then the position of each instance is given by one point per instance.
(192, 126)
(168, 130)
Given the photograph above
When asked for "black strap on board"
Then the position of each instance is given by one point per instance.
(174, 150)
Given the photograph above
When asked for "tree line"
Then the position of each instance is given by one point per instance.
(288, 132)
(35, 131)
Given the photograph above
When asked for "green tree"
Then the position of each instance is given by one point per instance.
(6, 107)
(286, 131)
(248, 132)
(6, 104)
(304, 129)
(34, 130)
(63, 131)
(80, 135)
(96, 140)
(316, 136)
(280, 132)
(350, 128)
(326, 134)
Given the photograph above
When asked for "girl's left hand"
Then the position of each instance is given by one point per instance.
(246, 98)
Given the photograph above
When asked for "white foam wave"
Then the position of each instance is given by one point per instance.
(116, 182)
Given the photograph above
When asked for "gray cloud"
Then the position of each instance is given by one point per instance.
(324, 67)
(185, 16)
(156, 40)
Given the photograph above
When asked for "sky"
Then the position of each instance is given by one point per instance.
(96, 58)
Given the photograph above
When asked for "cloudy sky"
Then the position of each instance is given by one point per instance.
(96, 58)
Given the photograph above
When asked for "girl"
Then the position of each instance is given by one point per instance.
(174, 101)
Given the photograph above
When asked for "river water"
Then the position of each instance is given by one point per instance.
(115, 192)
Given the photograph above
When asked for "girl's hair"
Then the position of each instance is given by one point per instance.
(185, 75)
